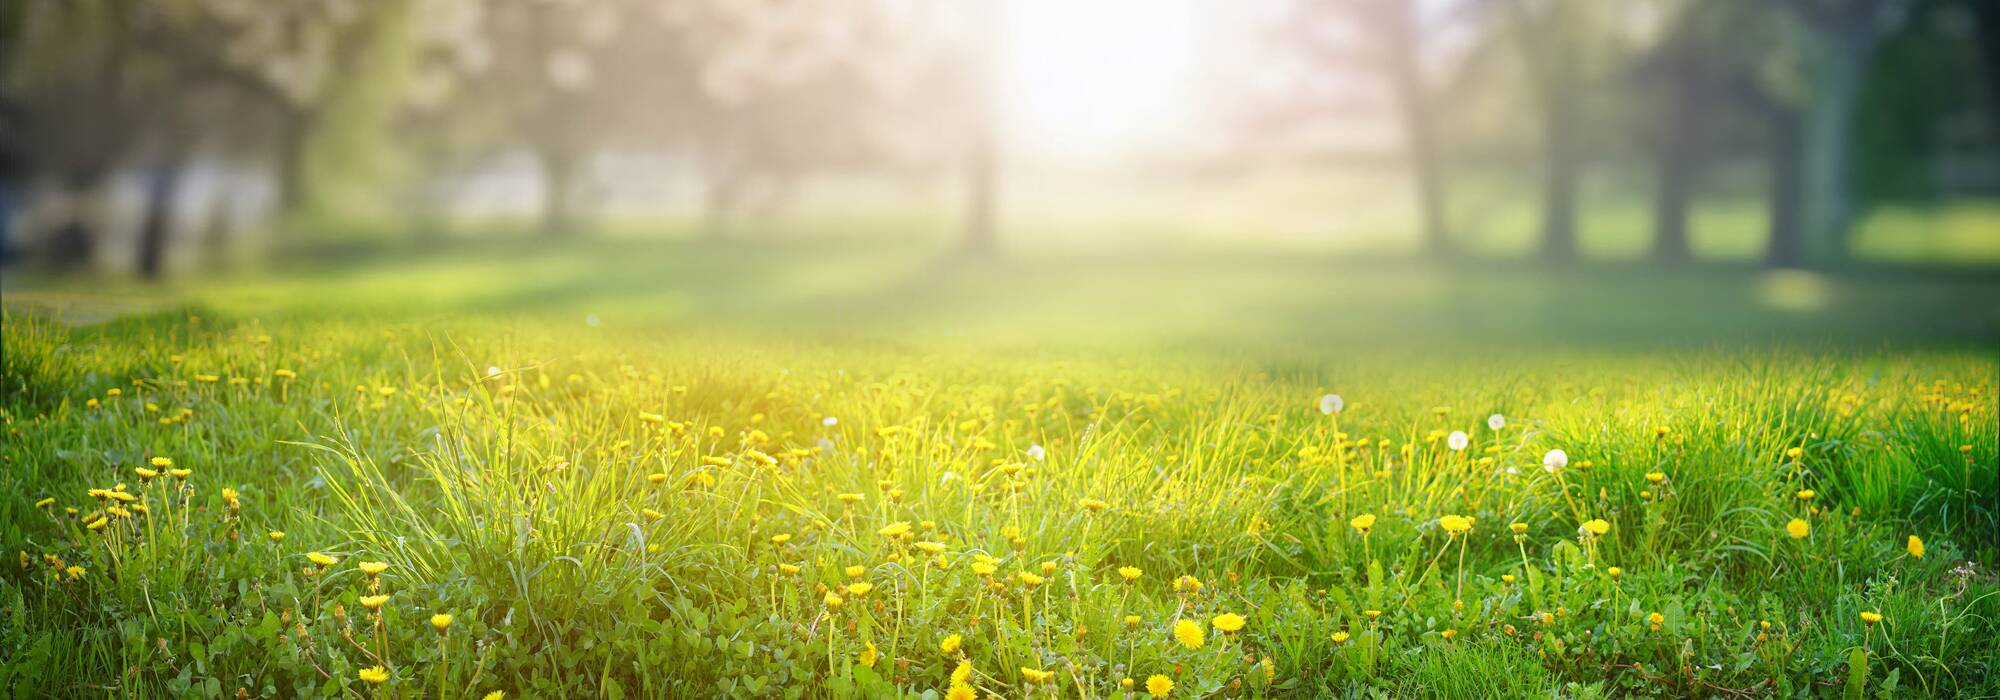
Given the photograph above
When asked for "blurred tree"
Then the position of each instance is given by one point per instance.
(1986, 22)
(75, 87)
(1844, 36)
(554, 71)
(1920, 107)
(315, 71)
(1561, 44)
(1387, 38)
(101, 86)
(1319, 46)
(779, 91)
(981, 59)
(1703, 69)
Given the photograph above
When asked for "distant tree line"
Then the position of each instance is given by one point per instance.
(335, 97)
(1844, 97)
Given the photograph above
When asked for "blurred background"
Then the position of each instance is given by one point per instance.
(146, 139)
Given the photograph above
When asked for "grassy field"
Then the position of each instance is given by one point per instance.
(635, 469)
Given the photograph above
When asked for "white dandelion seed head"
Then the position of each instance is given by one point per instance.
(1035, 452)
(590, 320)
(493, 371)
(1555, 460)
(1458, 440)
(829, 421)
(1496, 421)
(1331, 404)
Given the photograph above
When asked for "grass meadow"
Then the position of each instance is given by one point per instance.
(645, 469)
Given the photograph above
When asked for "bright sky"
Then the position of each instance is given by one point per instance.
(1092, 80)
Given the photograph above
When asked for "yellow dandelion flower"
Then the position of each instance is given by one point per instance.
(1656, 477)
(855, 571)
(1871, 617)
(1228, 622)
(868, 655)
(1916, 546)
(1455, 524)
(1615, 572)
(321, 560)
(441, 621)
(961, 691)
(950, 644)
(1129, 573)
(277, 536)
(1340, 637)
(374, 602)
(781, 538)
(1807, 494)
(1159, 686)
(1448, 634)
(375, 675)
(1798, 528)
(1362, 523)
(859, 588)
(1036, 675)
(373, 568)
(1030, 579)
(162, 462)
(1189, 634)
(895, 529)
(832, 600)
(963, 673)
(1594, 528)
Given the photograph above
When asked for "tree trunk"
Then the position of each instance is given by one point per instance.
(722, 191)
(1829, 145)
(1561, 170)
(982, 158)
(1420, 136)
(1679, 162)
(291, 174)
(559, 170)
(1786, 246)
(73, 244)
(979, 186)
(162, 196)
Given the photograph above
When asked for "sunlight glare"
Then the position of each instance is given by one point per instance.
(1096, 80)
